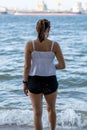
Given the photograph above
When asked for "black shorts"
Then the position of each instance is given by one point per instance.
(42, 84)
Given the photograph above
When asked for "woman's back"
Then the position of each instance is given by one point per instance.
(46, 45)
(42, 59)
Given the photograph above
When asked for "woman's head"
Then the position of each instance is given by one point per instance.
(43, 27)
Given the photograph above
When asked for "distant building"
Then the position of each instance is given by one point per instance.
(41, 6)
(77, 8)
(59, 3)
(85, 7)
(3, 10)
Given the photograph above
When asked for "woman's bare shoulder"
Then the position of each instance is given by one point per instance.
(56, 43)
(28, 45)
(56, 46)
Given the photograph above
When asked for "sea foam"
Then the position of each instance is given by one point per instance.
(66, 118)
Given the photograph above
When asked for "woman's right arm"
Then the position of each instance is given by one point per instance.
(59, 56)
(27, 65)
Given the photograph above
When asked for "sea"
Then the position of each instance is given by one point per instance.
(71, 104)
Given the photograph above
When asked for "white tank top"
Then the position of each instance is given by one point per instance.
(42, 63)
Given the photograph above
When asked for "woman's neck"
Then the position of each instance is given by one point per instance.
(42, 41)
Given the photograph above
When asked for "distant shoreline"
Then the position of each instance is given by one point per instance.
(41, 13)
(45, 13)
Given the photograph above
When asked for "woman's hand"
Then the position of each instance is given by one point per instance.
(25, 88)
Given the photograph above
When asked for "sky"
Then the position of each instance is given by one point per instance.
(30, 4)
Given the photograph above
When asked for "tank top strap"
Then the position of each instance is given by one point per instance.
(33, 44)
(52, 45)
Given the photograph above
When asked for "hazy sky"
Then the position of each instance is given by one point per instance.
(30, 4)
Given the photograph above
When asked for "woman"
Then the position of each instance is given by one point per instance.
(40, 73)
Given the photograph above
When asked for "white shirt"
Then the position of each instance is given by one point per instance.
(42, 63)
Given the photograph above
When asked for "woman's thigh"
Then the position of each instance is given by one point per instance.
(36, 100)
(51, 100)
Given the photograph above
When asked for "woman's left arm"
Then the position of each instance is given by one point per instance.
(59, 56)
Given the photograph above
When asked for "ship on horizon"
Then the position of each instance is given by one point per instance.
(42, 9)
(45, 13)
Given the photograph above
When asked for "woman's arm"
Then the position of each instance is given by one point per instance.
(27, 65)
(27, 61)
(59, 56)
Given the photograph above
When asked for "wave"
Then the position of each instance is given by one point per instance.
(65, 119)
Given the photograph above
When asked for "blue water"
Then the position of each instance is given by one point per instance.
(71, 105)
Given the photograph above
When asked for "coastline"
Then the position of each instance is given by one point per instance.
(48, 13)
(45, 13)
